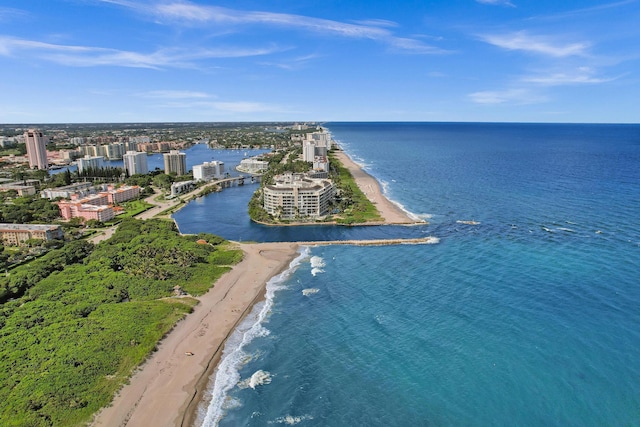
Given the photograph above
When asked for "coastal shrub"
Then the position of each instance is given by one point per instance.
(87, 318)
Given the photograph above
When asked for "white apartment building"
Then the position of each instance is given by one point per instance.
(135, 162)
(296, 195)
(86, 162)
(35, 142)
(253, 166)
(82, 188)
(321, 138)
(308, 151)
(315, 144)
(208, 171)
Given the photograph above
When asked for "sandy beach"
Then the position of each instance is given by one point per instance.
(167, 388)
(391, 213)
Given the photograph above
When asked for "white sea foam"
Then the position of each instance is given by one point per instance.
(316, 265)
(429, 241)
(227, 373)
(259, 378)
(310, 291)
(568, 230)
(317, 261)
(291, 420)
(424, 217)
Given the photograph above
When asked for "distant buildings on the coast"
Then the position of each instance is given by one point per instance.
(308, 195)
(315, 148)
(292, 195)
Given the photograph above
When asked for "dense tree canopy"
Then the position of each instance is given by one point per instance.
(88, 315)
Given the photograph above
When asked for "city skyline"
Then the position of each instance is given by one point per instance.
(119, 61)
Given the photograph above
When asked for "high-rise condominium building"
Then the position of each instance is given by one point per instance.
(176, 162)
(89, 162)
(36, 149)
(135, 162)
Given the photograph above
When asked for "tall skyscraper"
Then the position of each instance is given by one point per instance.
(135, 162)
(36, 149)
(175, 161)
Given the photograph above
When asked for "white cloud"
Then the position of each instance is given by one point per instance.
(244, 107)
(175, 94)
(377, 23)
(174, 101)
(193, 14)
(582, 75)
(11, 14)
(518, 96)
(497, 2)
(88, 56)
(294, 63)
(544, 45)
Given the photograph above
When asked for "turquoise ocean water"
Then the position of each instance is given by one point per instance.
(530, 317)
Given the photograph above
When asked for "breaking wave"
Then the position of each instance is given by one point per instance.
(227, 374)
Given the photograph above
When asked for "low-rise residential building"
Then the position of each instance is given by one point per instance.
(75, 209)
(296, 195)
(121, 194)
(17, 234)
(81, 188)
(20, 187)
(181, 187)
(253, 165)
(208, 171)
(97, 206)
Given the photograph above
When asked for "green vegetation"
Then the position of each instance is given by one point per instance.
(85, 316)
(27, 209)
(352, 203)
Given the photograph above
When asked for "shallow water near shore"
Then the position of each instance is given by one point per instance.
(524, 314)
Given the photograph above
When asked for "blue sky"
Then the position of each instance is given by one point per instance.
(455, 60)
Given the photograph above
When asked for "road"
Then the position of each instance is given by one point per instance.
(159, 206)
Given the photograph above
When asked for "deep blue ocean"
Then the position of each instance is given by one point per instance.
(531, 317)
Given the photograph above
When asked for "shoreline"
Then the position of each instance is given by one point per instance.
(168, 388)
(392, 214)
